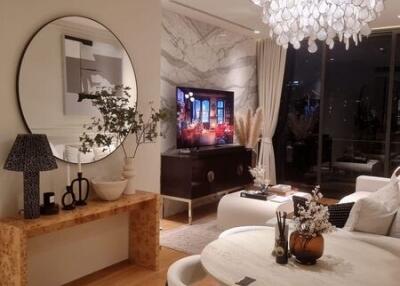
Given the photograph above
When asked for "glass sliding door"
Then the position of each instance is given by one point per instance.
(296, 136)
(354, 115)
(394, 154)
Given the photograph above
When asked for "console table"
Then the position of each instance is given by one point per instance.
(143, 208)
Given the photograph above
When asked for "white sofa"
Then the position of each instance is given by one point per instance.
(366, 185)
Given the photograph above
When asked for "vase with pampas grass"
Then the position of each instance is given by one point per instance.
(248, 128)
(248, 133)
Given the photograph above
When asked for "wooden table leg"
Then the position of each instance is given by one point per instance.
(13, 265)
(144, 234)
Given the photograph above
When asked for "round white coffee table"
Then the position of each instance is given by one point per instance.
(346, 262)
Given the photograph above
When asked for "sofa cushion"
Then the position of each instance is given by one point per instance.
(339, 213)
(354, 197)
(395, 228)
(375, 213)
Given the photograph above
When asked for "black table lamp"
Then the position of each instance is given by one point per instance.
(31, 153)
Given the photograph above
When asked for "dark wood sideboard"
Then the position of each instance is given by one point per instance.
(208, 171)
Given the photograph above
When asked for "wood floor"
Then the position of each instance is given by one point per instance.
(124, 274)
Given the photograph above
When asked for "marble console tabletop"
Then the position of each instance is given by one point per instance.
(143, 232)
(345, 261)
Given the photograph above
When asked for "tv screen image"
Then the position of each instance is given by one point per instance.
(204, 117)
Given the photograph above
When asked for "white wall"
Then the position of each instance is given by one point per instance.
(61, 257)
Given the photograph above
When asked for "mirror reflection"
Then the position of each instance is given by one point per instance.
(66, 62)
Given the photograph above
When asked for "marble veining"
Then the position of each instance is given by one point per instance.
(201, 55)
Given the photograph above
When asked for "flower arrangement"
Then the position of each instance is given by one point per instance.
(118, 119)
(313, 218)
(258, 173)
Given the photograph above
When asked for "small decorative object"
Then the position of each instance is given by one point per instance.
(246, 281)
(282, 190)
(258, 173)
(30, 154)
(307, 242)
(49, 206)
(109, 190)
(79, 181)
(258, 195)
(248, 130)
(68, 199)
(281, 239)
(128, 173)
(119, 119)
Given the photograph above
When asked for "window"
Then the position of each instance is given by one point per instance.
(339, 114)
(355, 113)
(296, 136)
(196, 110)
(205, 111)
(220, 111)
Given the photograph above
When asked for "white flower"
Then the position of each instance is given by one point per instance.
(258, 173)
(313, 219)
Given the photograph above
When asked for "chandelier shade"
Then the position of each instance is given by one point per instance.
(292, 21)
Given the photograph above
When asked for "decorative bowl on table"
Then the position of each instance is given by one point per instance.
(109, 189)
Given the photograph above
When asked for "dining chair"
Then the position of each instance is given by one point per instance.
(239, 229)
(185, 271)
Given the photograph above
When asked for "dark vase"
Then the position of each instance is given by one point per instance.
(307, 249)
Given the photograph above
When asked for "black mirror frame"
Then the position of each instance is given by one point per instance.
(19, 71)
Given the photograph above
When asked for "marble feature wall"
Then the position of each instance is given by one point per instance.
(196, 54)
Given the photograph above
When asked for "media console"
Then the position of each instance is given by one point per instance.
(208, 171)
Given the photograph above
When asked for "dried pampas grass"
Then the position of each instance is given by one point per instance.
(248, 130)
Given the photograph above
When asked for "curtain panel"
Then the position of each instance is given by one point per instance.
(271, 60)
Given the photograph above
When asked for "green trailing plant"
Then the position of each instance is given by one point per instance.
(117, 120)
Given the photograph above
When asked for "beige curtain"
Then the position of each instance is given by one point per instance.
(271, 60)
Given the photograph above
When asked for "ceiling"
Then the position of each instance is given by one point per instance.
(245, 17)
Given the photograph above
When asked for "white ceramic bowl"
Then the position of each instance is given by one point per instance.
(109, 189)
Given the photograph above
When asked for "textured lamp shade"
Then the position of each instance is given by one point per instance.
(31, 153)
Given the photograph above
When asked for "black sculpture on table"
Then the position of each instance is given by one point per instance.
(80, 199)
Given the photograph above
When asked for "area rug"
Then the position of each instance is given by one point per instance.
(190, 239)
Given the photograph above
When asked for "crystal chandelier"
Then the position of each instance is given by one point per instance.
(292, 21)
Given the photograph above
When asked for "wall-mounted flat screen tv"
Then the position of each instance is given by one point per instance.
(204, 117)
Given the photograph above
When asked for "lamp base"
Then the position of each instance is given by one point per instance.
(31, 195)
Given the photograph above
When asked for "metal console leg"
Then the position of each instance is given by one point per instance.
(190, 212)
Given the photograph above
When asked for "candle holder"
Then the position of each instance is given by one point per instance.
(68, 195)
(82, 194)
(49, 206)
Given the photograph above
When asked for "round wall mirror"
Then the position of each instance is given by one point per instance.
(68, 65)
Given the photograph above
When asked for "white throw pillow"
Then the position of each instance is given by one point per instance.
(375, 213)
(395, 229)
